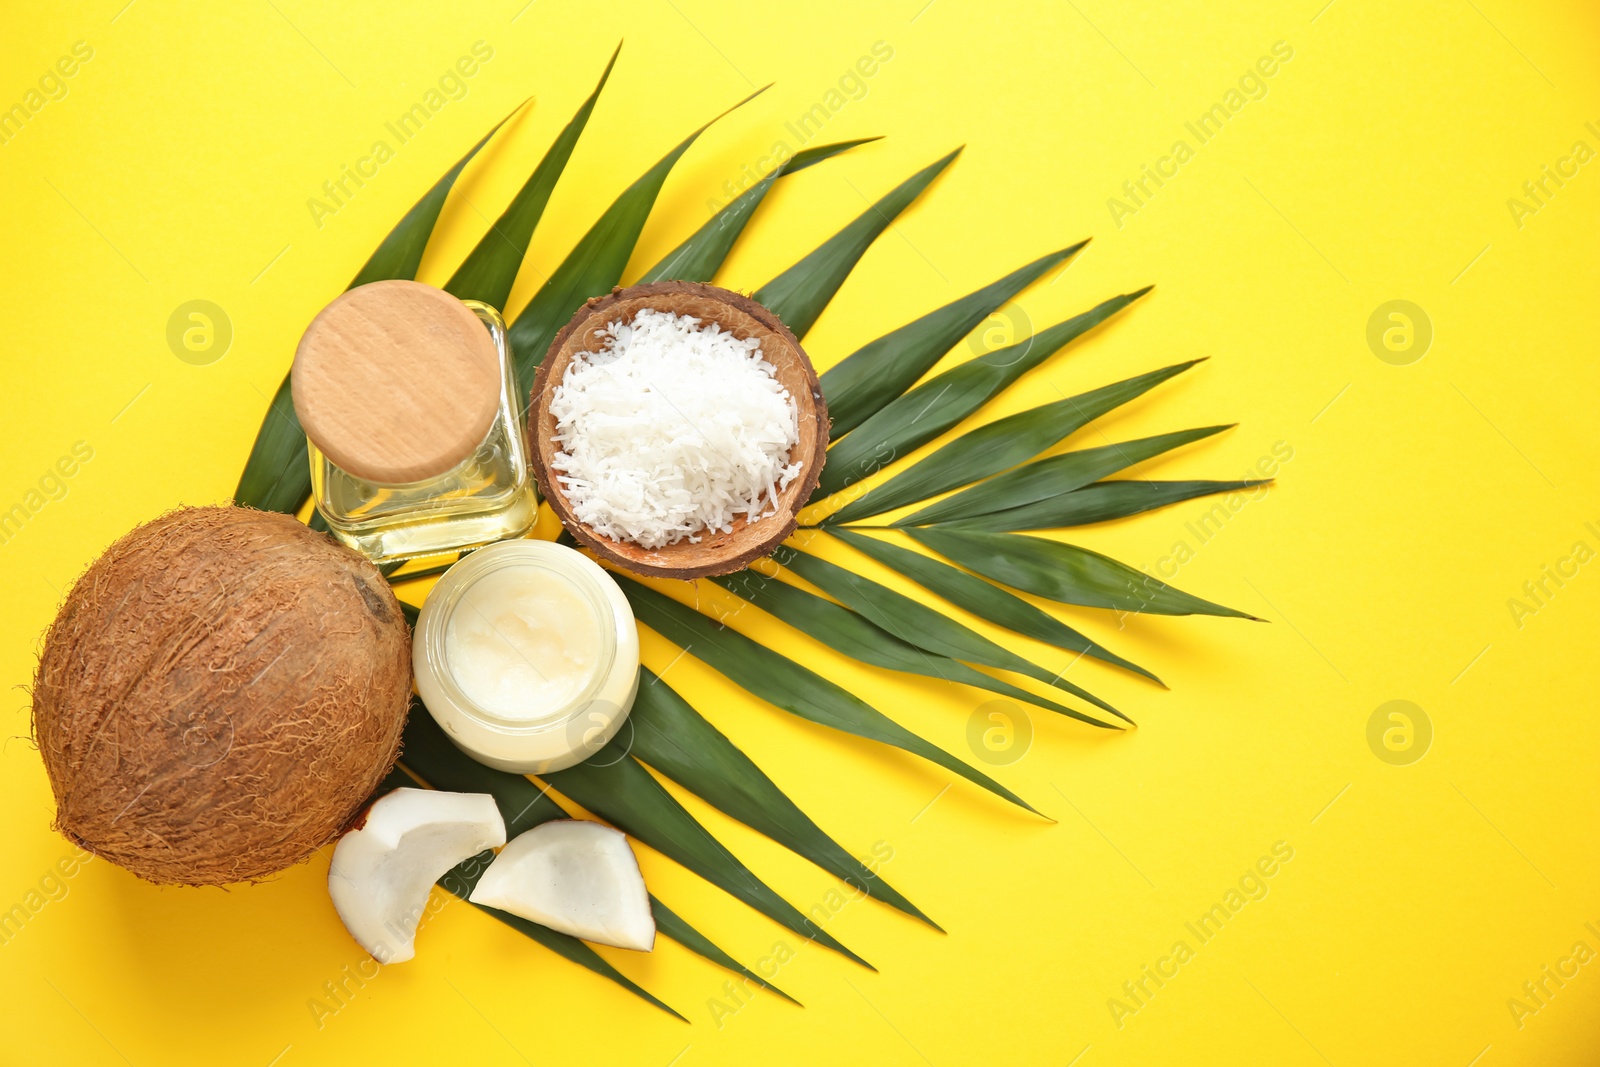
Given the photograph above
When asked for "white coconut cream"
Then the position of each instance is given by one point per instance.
(527, 655)
(522, 643)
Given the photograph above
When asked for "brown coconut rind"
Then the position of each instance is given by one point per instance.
(219, 694)
(716, 553)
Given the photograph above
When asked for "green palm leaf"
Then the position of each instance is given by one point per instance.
(463, 877)
(679, 742)
(1099, 502)
(277, 475)
(1055, 476)
(785, 684)
(596, 263)
(624, 794)
(400, 254)
(700, 257)
(490, 269)
(434, 758)
(437, 761)
(971, 593)
(848, 633)
(877, 372)
(798, 295)
(911, 420)
(921, 625)
(672, 925)
(999, 445)
(1063, 572)
(461, 882)
(419, 574)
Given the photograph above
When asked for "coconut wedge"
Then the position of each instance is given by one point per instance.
(578, 877)
(383, 870)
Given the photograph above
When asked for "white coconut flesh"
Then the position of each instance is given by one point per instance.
(383, 871)
(575, 876)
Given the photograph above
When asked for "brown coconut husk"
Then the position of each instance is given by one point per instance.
(221, 691)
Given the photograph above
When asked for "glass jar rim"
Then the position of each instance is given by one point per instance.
(579, 571)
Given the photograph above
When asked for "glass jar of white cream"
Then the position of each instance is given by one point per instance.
(527, 655)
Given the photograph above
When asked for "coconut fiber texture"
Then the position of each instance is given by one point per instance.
(220, 692)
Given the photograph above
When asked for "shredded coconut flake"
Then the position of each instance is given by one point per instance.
(672, 429)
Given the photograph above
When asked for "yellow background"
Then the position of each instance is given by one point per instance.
(1419, 500)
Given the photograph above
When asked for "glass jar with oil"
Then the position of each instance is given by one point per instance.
(414, 420)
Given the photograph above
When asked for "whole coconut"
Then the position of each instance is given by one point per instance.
(218, 695)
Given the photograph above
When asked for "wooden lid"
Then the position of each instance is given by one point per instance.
(396, 381)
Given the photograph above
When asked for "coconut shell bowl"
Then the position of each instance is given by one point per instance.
(715, 552)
